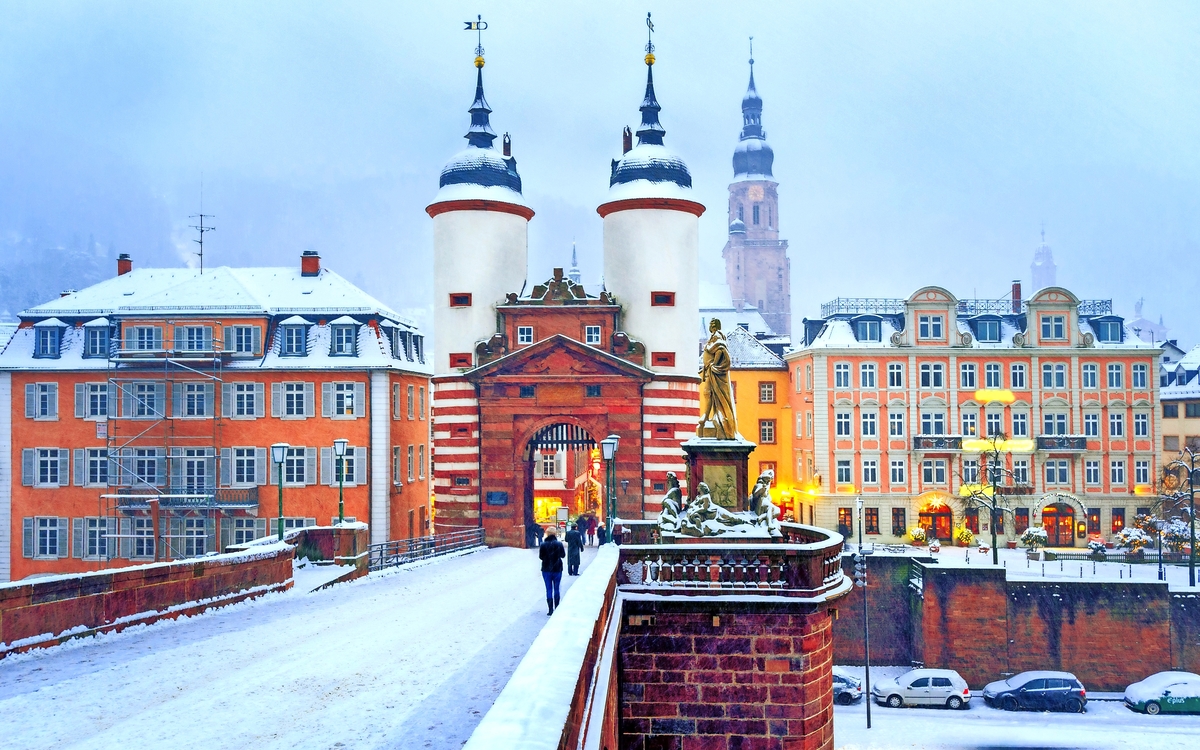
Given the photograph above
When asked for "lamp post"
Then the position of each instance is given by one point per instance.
(1187, 462)
(608, 447)
(278, 454)
(860, 575)
(1159, 524)
(339, 450)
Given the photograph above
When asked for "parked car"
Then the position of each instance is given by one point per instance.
(1165, 692)
(923, 687)
(846, 687)
(1037, 691)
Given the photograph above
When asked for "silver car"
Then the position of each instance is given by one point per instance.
(923, 687)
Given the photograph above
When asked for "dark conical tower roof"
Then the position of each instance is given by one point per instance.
(752, 157)
(480, 134)
(651, 130)
(650, 160)
(479, 165)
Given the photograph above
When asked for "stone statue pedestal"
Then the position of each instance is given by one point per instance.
(724, 466)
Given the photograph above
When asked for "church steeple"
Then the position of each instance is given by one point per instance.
(752, 158)
(651, 130)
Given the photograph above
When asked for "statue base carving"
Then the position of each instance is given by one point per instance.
(724, 466)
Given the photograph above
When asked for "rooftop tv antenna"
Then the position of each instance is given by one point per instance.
(200, 227)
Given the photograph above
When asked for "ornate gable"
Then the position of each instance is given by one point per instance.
(558, 357)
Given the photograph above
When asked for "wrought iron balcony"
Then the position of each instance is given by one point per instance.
(1061, 443)
(187, 497)
(937, 442)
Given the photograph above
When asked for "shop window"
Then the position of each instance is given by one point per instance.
(971, 520)
(899, 522)
(1093, 520)
(1021, 517)
(871, 520)
(845, 521)
(1118, 520)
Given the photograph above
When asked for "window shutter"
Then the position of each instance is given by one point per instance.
(64, 467)
(179, 338)
(53, 400)
(208, 399)
(227, 397)
(227, 342)
(327, 473)
(30, 400)
(210, 531)
(112, 538)
(177, 399)
(161, 471)
(259, 407)
(176, 541)
(28, 466)
(125, 529)
(272, 471)
(260, 465)
(395, 401)
(256, 339)
(80, 467)
(396, 479)
(226, 467)
(27, 548)
(310, 522)
(310, 465)
(326, 399)
(208, 337)
(260, 528)
(360, 399)
(309, 398)
(64, 528)
(276, 399)
(160, 398)
(226, 533)
(77, 540)
(126, 400)
(80, 400)
(360, 466)
(111, 406)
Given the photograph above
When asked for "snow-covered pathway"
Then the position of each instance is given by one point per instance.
(404, 659)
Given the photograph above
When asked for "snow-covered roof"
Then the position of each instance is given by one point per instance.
(716, 301)
(224, 291)
(748, 353)
(1179, 392)
(344, 320)
(838, 333)
(97, 323)
(49, 323)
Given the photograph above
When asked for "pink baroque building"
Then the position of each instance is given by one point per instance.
(893, 399)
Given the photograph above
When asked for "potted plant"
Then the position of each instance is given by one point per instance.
(1133, 539)
(1034, 538)
(917, 534)
(1098, 550)
(963, 537)
(1011, 544)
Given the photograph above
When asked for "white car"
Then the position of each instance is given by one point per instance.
(846, 687)
(923, 687)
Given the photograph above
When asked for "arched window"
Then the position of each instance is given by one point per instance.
(755, 214)
(741, 213)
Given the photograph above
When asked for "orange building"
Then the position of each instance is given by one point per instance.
(137, 416)
(894, 398)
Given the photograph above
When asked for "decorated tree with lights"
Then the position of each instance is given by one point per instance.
(994, 487)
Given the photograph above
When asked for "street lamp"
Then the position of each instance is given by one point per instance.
(608, 448)
(339, 450)
(1159, 525)
(278, 454)
(860, 575)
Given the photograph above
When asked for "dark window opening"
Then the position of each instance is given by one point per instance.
(460, 299)
(971, 520)
(528, 391)
(592, 391)
(756, 214)
(460, 360)
(663, 359)
(662, 299)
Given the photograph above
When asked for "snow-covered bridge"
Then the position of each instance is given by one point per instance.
(407, 658)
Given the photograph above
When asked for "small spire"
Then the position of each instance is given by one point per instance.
(574, 274)
(480, 134)
(651, 130)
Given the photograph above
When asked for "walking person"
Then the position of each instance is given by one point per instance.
(574, 549)
(551, 553)
(591, 530)
(601, 534)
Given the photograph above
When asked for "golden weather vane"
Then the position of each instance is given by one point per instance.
(478, 26)
(649, 40)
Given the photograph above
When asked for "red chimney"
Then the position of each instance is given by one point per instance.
(1016, 296)
(507, 145)
(626, 140)
(310, 263)
(124, 264)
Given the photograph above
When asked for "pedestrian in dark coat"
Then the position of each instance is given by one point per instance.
(551, 553)
(601, 534)
(591, 530)
(574, 549)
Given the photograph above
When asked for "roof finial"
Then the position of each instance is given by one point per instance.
(1043, 233)
(649, 40)
(752, 53)
(480, 134)
(478, 26)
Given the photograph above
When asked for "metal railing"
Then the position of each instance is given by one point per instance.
(401, 551)
(1062, 443)
(187, 497)
(966, 307)
(862, 306)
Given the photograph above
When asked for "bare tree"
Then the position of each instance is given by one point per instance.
(1177, 494)
(993, 487)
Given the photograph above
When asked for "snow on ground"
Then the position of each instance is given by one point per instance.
(1106, 724)
(405, 658)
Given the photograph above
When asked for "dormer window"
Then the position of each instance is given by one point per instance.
(929, 326)
(1108, 331)
(343, 341)
(867, 330)
(419, 348)
(293, 341)
(1054, 327)
(47, 342)
(95, 341)
(987, 331)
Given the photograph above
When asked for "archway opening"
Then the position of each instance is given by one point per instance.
(937, 519)
(1059, 522)
(563, 471)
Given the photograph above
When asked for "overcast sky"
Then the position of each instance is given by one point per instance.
(915, 143)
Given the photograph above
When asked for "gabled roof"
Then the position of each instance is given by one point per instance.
(748, 353)
(515, 361)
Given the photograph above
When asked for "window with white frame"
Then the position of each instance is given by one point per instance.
(96, 395)
(1054, 327)
(1141, 425)
(1116, 375)
(144, 466)
(293, 400)
(1057, 472)
(97, 466)
(929, 326)
(1140, 376)
(1020, 424)
(344, 342)
(193, 338)
(144, 338)
(1054, 423)
(933, 375)
(51, 537)
(766, 392)
(243, 339)
(995, 424)
(766, 431)
(1016, 376)
(870, 424)
(549, 465)
(1054, 375)
(293, 342)
(896, 424)
(421, 402)
(245, 467)
(970, 471)
(50, 471)
(524, 334)
(1020, 471)
(1089, 376)
(44, 400)
(145, 400)
(591, 335)
(991, 375)
(1116, 425)
(46, 342)
(966, 376)
(344, 467)
(970, 424)
(143, 537)
(421, 461)
(844, 473)
(841, 375)
(895, 374)
(933, 471)
(245, 397)
(195, 537)
(343, 399)
(295, 466)
(1141, 472)
(1116, 471)
(95, 342)
(1091, 425)
(842, 424)
(1091, 472)
(808, 424)
(870, 471)
(897, 471)
(866, 375)
(245, 530)
(96, 541)
(933, 423)
(195, 399)
(867, 330)
(988, 331)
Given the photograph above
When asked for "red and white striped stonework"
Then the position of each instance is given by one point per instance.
(670, 408)
(455, 453)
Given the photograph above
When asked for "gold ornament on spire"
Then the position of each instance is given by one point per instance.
(649, 40)
(478, 26)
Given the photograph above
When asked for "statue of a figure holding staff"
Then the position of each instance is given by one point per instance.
(717, 417)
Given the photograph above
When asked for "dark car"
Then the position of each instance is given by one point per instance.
(1037, 691)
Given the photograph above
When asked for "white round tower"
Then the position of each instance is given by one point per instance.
(652, 244)
(480, 240)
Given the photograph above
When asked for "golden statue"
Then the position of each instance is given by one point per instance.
(717, 417)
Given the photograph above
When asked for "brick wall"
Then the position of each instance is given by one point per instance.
(1185, 632)
(707, 675)
(38, 613)
(889, 613)
(961, 622)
